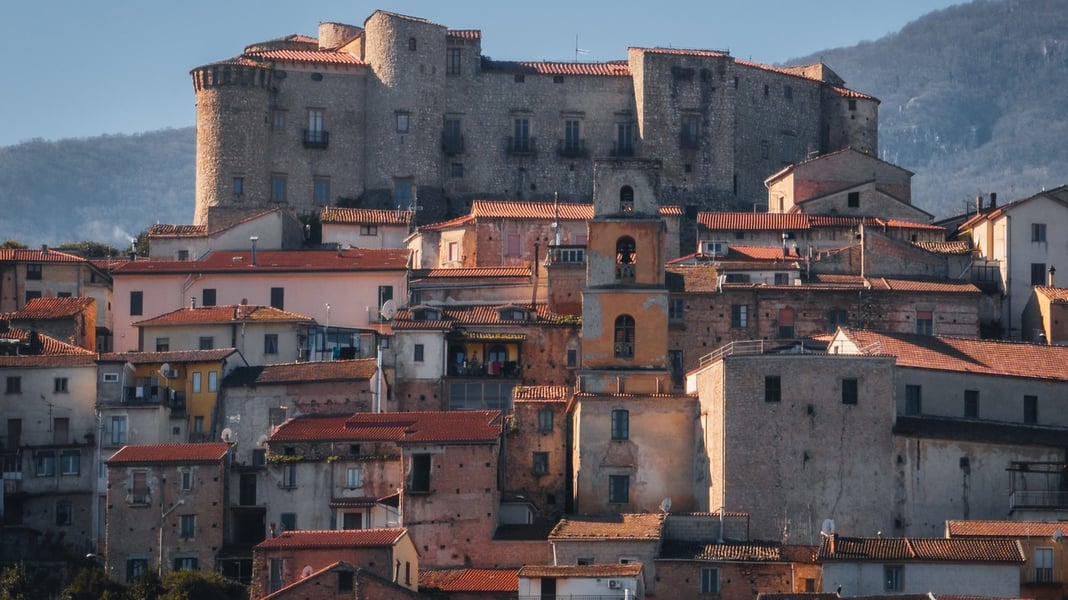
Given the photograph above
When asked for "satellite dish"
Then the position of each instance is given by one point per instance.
(227, 434)
(389, 308)
(1058, 535)
(306, 571)
(165, 368)
(827, 528)
(262, 441)
(665, 505)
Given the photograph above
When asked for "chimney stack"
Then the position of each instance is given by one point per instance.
(192, 302)
(979, 204)
(1052, 272)
(993, 200)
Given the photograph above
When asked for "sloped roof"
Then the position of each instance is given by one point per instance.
(465, 34)
(38, 256)
(728, 551)
(1057, 295)
(42, 309)
(231, 313)
(160, 230)
(751, 221)
(365, 216)
(542, 393)
(984, 357)
(609, 527)
(1055, 194)
(344, 538)
(1005, 529)
(469, 580)
(170, 453)
(962, 247)
(276, 261)
(921, 550)
(441, 427)
(602, 69)
(613, 570)
(467, 314)
(16, 347)
(302, 372)
(542, 211)
(176, 356)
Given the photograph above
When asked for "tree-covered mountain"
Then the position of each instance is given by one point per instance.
(106, 188)
(972, 99)
(972, 103)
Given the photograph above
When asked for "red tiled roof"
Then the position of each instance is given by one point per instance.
(164, 230)
(53, 353)
(605, 527)
(345, 538)
(945, 247)
(559, 393)
(1000, 210)
(1005, 529)
(232, 313)
(37, 256)
(176, 356)
(469, 580)
(848, 93)
(278, 261)
(170, 453)
(1055, 294)
(464, 34)
(476, 426)
(472, 273)
(614, 570)
(922, 550)
(52, 308)
(301, 372)
(334, 214)
(610, 69)
(985, 357)
(305, 56)
(728, 551)
(750, 221)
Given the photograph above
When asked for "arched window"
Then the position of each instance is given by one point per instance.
(626, 251)
(624, 336)
(626, 199)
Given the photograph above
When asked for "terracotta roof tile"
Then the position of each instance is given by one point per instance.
(680, 550)
(15, 351)
(477, 426)
(176, 356)
(366, 216)
(945, 247)
(750, 221)
(453, 315)
(621, 570)
(993, 213)
(565, 211)
(1005, 529)
(170, 453)
(305, 56)
(278, 261)
(610, 69)
(301, 372)
(346, 538)
(232, 313)
(622, 526)
(469, 580)
(541, 393)
(1055, 294)
(464, 34)
(986, 357)
(52, 308)
(163, 230)
(37, 256)
(848, 93)
(922, 550)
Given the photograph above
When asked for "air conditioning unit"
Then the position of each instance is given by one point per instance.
(615, 584)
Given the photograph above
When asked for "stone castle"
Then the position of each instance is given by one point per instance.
(405, 112)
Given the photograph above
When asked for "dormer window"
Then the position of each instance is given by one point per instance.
(512, 313)
(426, 313)
(626, 199)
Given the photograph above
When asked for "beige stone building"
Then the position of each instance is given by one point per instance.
(1046, 315)
(280, 124)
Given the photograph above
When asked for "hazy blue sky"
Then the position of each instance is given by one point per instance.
(79, 68)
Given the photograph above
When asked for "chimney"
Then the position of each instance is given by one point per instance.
(192, 302)
(44, 248)
(979, 203)
(831, 539)
(993, 200)
(254, 239)
(1052, 272)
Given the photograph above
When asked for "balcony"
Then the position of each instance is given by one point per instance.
(624, 350)
(524, 146)
(1038, 499)
(625, 273)
(572, 149)
(1042, 576)
(452, 144)
(316, 138)
(621, 150)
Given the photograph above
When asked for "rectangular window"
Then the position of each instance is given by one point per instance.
(197, 382)
(572, 358)
(620, 425)
(137, 303)
(454, 251)
(14, 385)
(572, 136)
(59, 385)
(315, 124)
(739, 315)
(453, 57)
(849, 391)
(198, 424)
(1038, 232)
(187, 525)
(837, 318)
(213, 381)
(32, 295)
(893, 578)
(139, 488)
(924, 322)
(853, 200)
(675, 309)
(624, 139)
(163, 344)
(788, 150)
(277, 577)
(772, 388)
(289, 521)
(278, 119)
(135, 568)
(402, 192)
(1030, 410)
(513, 244)
(710, 580)
(545, 420)
(34, 272)
(456, 170)
(913, 400)
(403, 122)
(618, 489)
(270, 343)
(46, 464)
(521, 129)
(289, 476)
(111, 378)
(354, 477)
(971, 404)
(788, 92)
(420, 475)
(207, 342)
(118, 431)
(1038, 273)
(690, 133)
(278, 187)
(1043, 565)
(239, 186)
(764, 149)
(321, 191)
(540, 463)
(418, 357)
(186, 479)
(187, 563)
(70, 462)
(207, 297)
(278, 298)
(352, 521)
(369, 230)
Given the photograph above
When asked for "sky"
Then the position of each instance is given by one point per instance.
(80, 68)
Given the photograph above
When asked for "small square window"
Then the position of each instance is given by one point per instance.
(59, 385)
(70, 462)
(369, 230)
(853, 199)
(418, 355)
(456, 170)
(894, 578)
(1038, 232)
(239, 186)
(520, 78)
(207, 343)
(163, 344)
(403, 122)
(34, 271)
(558, 78)
(14, 385)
